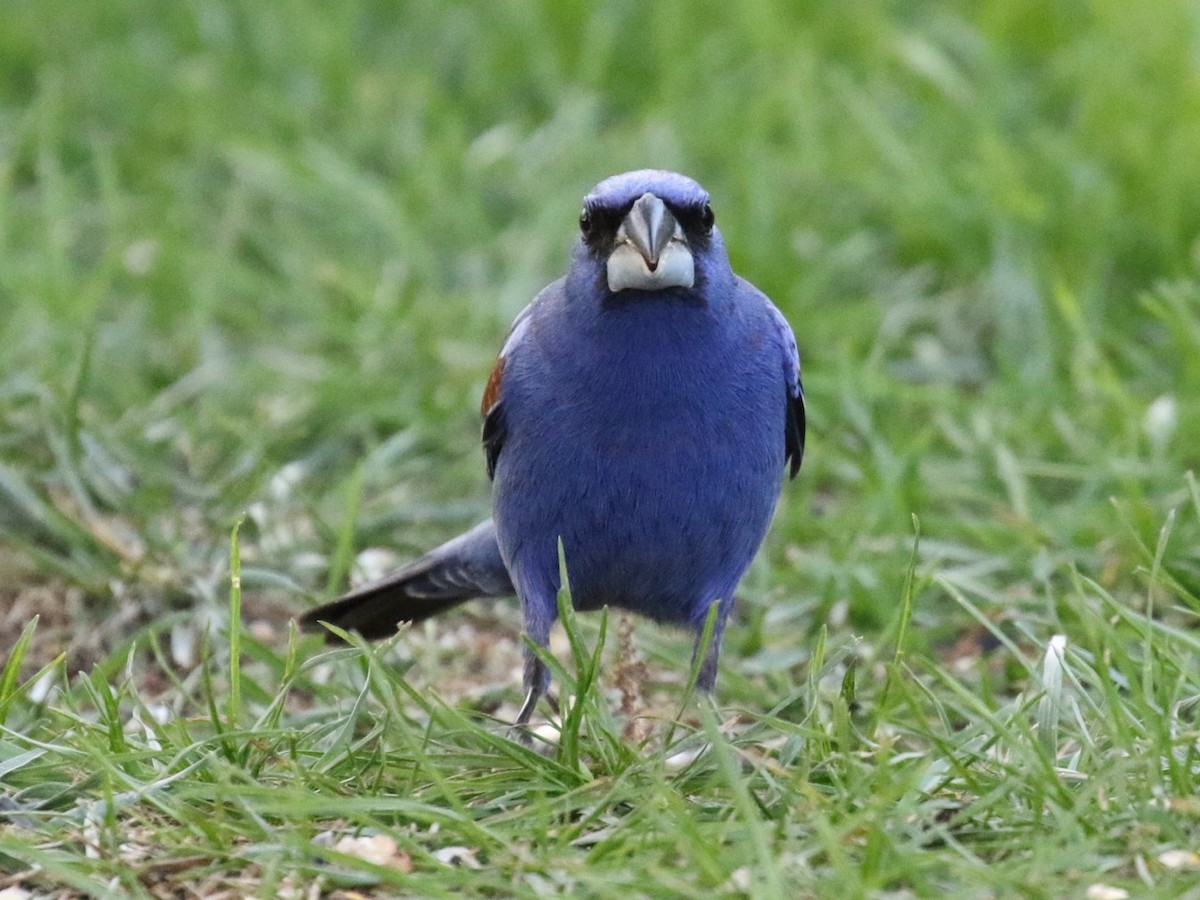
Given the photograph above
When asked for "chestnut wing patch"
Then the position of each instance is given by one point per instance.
(491, 391)
(493, 417)
(495, 429)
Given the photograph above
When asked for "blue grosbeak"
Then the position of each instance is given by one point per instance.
(643, 411)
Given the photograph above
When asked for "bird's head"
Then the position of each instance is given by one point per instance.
(648, 230)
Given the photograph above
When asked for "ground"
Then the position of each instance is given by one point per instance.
(255, 265)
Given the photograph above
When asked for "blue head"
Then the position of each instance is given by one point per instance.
(650, 230)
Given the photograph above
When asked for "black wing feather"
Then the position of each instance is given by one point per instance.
(794, 428)
(494, 433)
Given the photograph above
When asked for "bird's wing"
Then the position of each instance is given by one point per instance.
(795, 423)
(492, 408)
(461, 569)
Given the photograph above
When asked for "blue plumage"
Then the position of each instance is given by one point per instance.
(648, 428)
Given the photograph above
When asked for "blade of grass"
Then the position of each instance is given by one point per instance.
(12, 668)
(339, 565)
(234, 709)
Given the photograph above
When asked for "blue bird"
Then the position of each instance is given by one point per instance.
(643, 410)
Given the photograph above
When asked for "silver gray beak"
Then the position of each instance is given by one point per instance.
(651, 252)
(650, 227)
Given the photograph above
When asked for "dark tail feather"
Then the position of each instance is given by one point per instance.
(464, 568)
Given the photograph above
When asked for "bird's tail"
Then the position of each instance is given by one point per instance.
(463, 568)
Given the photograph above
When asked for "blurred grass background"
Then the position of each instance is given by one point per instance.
(235, 239)
(250, 250)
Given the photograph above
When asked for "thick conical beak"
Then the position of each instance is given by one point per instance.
(651, 251)
(649, 227)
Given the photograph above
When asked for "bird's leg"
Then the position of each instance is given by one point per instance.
(707, 677)
(527, 708)
(708, 669)
(538, 620)
(536, 680)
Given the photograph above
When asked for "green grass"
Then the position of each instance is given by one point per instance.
(256, 260)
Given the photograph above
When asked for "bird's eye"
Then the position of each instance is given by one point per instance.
(585, 223)
(707, 218)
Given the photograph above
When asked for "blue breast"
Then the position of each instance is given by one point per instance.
(648, 435)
